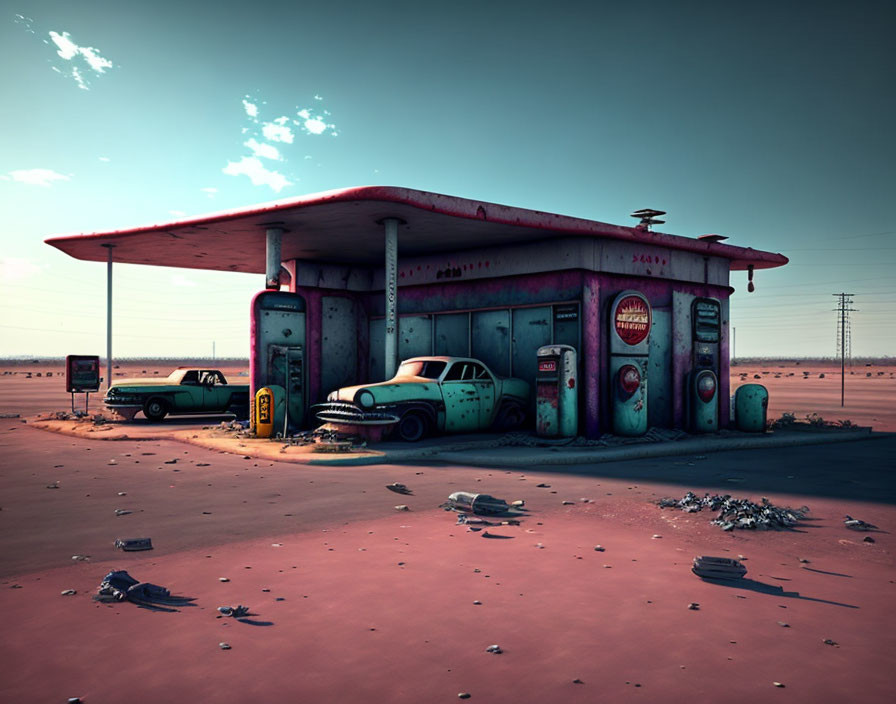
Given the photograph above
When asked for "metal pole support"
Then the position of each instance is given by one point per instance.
(273, 257)
(391, 281)
(109, 248)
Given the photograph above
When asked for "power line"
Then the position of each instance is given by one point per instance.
(844, 341)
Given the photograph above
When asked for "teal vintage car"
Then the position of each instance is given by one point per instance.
(432, 394)
(186, 390)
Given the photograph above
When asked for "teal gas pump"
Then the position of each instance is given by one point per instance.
(556, 396)
(630, 321)
(278, 356)
(702, 397)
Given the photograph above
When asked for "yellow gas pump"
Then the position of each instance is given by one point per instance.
(264, 412)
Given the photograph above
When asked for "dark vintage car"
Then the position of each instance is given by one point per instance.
(184, 391)
(432, 394)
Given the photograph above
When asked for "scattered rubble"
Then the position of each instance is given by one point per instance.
(398, 488)
(236, 611)
(68, 592)
(118, 585)
(739, 513)
(133, 544)
(122, 512)
(494, 649)
(402, 507)
(224, 646)
(694, 606)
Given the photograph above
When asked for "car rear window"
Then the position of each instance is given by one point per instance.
(427, 369)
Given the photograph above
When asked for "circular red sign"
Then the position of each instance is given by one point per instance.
(632, 320)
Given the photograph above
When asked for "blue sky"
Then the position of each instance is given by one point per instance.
(769, 122)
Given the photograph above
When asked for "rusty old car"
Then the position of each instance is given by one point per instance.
(432, 395)
(186, 390)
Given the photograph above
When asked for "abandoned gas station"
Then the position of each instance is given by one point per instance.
(357, 280)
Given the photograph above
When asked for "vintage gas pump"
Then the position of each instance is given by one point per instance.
(702, 397)
(556, 403)
(629, 348)
(278, 356)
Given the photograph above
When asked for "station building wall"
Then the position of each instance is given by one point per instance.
(497, 306)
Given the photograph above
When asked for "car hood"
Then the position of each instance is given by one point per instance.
(347, 393)
(164, 381)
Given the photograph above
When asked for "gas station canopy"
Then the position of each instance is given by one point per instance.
(345, 226)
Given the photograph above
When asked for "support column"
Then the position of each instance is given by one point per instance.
(591, 353)
(109, 248)
(273, 257)
(391, 281)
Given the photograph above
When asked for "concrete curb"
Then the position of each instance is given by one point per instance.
(487, 455)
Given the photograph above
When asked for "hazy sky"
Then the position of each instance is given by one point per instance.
(769, 122)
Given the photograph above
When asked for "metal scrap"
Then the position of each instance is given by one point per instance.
(739, 513)
(398, 488)
(476, 503)
(133, 544)
(857, 524)
(718, 567)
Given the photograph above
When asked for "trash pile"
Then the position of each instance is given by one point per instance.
(739, 513)
(118, 585)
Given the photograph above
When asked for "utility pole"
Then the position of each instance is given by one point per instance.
(843, 310)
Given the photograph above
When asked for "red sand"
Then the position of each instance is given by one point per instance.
(355, 625)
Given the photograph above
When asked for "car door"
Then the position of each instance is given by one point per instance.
(461, 396)
(215, 394)
(485, 390)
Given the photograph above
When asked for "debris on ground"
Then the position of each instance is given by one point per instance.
(828, 641)
(398, 488)
(694, 606)
(402, 507)
(867, 539)
(224, 646)
(236, 611)
(518, 504)
(54, 485)
(475, 503)
(494, 649)
(718, 568)
(68, 592)
(857, 524)
(80, 558)
(133, 544)
(122, 512)
(739, 513)
(118, 585)
(599, 548)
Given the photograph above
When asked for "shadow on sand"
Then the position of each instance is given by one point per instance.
(771, 589)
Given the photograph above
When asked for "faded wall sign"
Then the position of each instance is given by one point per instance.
(632, 321)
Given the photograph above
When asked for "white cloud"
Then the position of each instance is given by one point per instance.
(104, 158)
(37, 177)
(313, 124)
(17, 269)
(251, 108)
(68, 50)
(210, 191)
(177, 213)
(268, 151)
(260, 176)
(277, 133)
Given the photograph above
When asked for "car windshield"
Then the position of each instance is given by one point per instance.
(428, 369)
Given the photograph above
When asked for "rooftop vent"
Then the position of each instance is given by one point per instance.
(648, 217)
(712, 238)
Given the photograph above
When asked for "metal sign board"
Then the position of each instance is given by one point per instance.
(82, 373)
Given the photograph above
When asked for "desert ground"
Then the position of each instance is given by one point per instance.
(352, 600)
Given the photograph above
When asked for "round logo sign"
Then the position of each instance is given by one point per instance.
(632, 320)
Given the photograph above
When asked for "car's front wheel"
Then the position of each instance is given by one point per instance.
(413, 426)
(155, 409)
